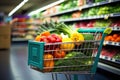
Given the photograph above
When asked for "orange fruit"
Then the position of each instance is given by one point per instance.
(37, 38)
(115, 36)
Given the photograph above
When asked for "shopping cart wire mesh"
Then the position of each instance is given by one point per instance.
(81, 57)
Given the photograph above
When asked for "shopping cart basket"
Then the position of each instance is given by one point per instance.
(81, 57)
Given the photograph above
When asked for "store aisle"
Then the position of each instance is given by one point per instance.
(13, 66)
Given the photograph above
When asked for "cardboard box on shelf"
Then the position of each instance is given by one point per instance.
(5, 37)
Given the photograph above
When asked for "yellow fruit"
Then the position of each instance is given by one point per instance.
(77, 37)
(67, 46)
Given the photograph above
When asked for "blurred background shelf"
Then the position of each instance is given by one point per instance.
(91, 17)
(83, 7)
(19, 39)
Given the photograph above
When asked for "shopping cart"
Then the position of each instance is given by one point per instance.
(81, 57)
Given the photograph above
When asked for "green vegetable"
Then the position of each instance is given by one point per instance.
(74, 54)
(54, 27)
(99, 1)
(93, 11)
(88, 36)
(68, 4)
(102, 23)
(84, 13)
(117, 56)
(104, 10)
(88, 45)
(75, 59)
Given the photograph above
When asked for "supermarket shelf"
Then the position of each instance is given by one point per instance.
(91, 17)
(116, 28)
(19, 39)
(27, 23)
(22, 34)
(84, 7)
(25, 29)
(109, 68)
(110, 59)
(111, 43)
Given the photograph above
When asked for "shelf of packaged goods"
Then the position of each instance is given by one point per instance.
(111, 43)
(91, 17)
(109, 68)
(20, 39)
(27, 33)
(35, 29)
(27, 23)
(83, 7)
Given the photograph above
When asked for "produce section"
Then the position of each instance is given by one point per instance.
(89, 14)
(83, 6)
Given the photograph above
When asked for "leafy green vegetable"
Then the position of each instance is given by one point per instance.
(88, 36)
(93, 11)
(117, 56)
(99, 1)
(104, 10)
(102, 23)
(76, 59)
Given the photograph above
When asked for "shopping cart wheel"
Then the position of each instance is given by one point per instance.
(68, 76)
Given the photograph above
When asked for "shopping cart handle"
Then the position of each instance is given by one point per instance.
(91, 30)
(107, 30)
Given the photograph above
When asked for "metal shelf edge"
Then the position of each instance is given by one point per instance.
(111, 43)
(91, 17)
(109, 68)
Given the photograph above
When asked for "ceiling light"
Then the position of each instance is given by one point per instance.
(17, 7)
(45, 7)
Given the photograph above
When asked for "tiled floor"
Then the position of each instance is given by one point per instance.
(13, 66)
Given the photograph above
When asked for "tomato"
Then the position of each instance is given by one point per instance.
(58, 38)
(51, 39)
(59, 53)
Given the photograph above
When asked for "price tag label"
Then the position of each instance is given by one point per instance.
(106, 16)
(113, 43)
(94, 4)
(113, 59)
(111, 15)
(110, 0)
(97, 3)
(80, 8)
(117, 44)
(104, 44)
